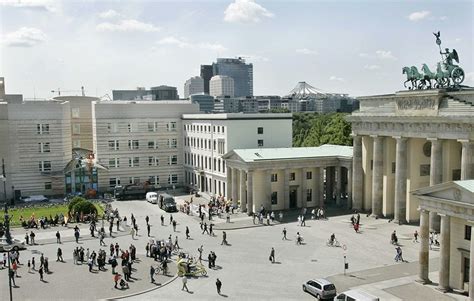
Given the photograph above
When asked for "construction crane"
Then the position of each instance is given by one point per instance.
(59, 91)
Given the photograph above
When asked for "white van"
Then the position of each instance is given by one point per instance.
(152, 197)
(356, 294)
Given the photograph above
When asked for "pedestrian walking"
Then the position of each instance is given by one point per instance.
(76, 235)
(200, 250)
(59, 255)
(174, 226)
(152, 273)
(116, 279)
(101, 238)
(58, 237)
(284, 234)
(211, 233)
(27, 238)
(187, 233)
(29, 266)
(147, 219)
(162, 220)
(41, 272)
(254, 216)
(176, 245)
(224, 238)
(11, 274)
(185, 281)
(148, 229)
(218, 286)
(272, 255)
(415, 236)
(171, 219)
(33, 265)
(205, 229)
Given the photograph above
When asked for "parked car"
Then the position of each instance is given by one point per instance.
(356, 294)
(152, 197)
(167, 202)
(320, 288)
(36, 199)
(15, 246)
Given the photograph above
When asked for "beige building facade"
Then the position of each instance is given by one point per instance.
(288, 178)
(408, 140)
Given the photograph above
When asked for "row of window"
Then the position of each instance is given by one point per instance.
(153, 180)
(113, 127)
(135, 161)
(292, 176)
(204, 128)
(202, 143)
(204, 162)
(135, 144)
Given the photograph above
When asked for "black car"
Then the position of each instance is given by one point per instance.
(167, 202)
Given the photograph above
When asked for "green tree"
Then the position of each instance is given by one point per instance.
(85, 207)
(74, 201)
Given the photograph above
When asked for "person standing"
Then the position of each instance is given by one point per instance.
(162, 220)
(60, 255)
(32, 238)
(11, 274)
(185, 281)
(218, 286)
(58, 237)
(148, 229)
(187, 233)
(284, 234)
(147, 219)
(29, 266)
(27, 238)
(272, 255)
(211, 233)
(76, 235)
(415, 235)
(152, 273)
(171, 219)
(40, 271)
(116, 279)
(200, 250)
(174, 226)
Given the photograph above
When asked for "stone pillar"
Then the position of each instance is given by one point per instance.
(243, 194)
(317, 186)
(436, 175)
(466, 157)
(471, 264)
(321, 187)
(401, 181)
(235, 189)
(444, 253)
(250, 192)
(349, 188)
(338, 176)
(303, 188)
(424, 258)
(267, 184)
(357, 173)
(377, 177)
(329, 184)
(286, 188)
(230, 182)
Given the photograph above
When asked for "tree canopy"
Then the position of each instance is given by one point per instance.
(313, 129)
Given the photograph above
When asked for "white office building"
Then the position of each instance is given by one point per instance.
(194, 85)
(207, 137)
(221, 86)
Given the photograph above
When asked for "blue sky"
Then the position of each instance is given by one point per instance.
(355, 47)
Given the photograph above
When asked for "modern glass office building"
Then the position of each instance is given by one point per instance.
(239, 71)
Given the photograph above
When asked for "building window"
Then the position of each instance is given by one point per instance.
(152, 126)
(76, 143)
(260, 130)
(173, 160)
(171, 126)
(133, 144)
(274, 177)
(75, 112)
(393, 167)
(134, 180)
(153, 161)
(424, 170)
(456, 174)
(309, 175)
(44, 166)
(173, 179)
(260, 143)
(467, 232)
(154, 180)
(466, 263)
(130, 127)
(292, 176)
(43, 128)
(172, 143)
(113, 145)
(134, 162)
(44, 147)
(309, 194)
(114, 162)
(152, 144)
(274, 198)
(76, 129)
(220, 146)
(48, 186)
(114, 182)
(111, 128)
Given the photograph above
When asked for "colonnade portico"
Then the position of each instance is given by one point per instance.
(278, 179)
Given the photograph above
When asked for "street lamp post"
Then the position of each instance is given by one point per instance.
(4, 179)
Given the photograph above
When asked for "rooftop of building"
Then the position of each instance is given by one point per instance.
(237, 116)
(292, 153)
(466, 184)
(142, 102)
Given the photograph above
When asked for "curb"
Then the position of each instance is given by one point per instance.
(142, 292)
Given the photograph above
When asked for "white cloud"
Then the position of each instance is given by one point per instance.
(306, 51)
(372, 67)
(340, 79)
(246, 11)
(129, 25)
(110, 14)
(363, 54)
(24, 37)
(443, 18)
(254, 58)
(419, 15)
(385, 55)
(46, 5)
(183, 43)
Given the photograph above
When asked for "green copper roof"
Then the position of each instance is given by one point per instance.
(287, 153)
(466, 184)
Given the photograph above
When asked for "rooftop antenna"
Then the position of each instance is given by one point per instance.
(82, 90)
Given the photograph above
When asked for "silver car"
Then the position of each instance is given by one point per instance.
(15, 246)
(320, 288)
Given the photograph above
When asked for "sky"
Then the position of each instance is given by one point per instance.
(354, 47)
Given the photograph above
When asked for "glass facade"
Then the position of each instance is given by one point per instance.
(241, 73)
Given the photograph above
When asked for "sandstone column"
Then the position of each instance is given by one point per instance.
(357, 173)
(234, 186)
(321, 187)
(401, 181)
(471, 265)
(286, 188)
(349, 188)
(267, 184)
(249, 192)
(243, 194)
(436, 175)
(315, 180)
(377, 177)
(338, 176)
(303, 188)
(230, 183)
(466, 158)
(444, 253)
(424, 257)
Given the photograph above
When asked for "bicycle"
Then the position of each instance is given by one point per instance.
(334, 243)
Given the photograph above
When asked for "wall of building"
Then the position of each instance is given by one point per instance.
(4, 152)
(459, 249)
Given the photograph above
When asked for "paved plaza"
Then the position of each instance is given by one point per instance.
(243, 266)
